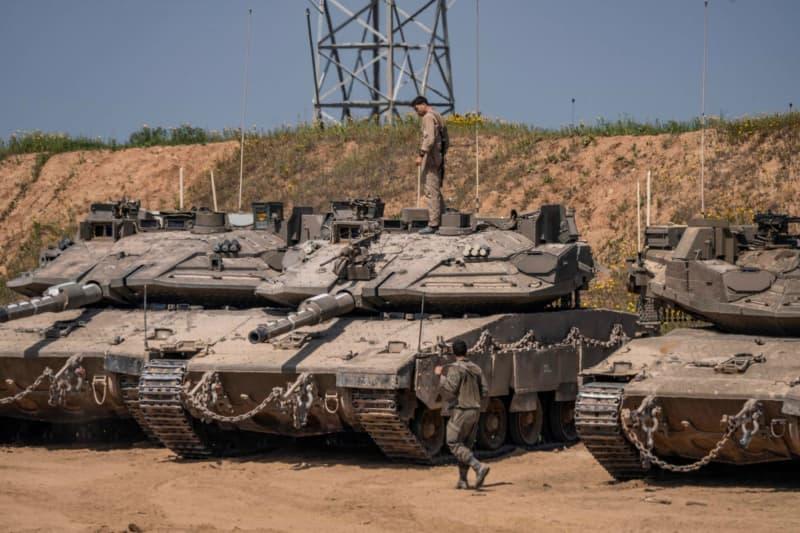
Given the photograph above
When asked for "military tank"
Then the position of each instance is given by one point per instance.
(373, 307)
(87, 297)
(724, 392)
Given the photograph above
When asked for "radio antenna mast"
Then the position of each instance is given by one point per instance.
(244, 103)
(477, 104)
(703, 112)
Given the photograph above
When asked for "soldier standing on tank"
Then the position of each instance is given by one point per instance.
(430, 158)
(465, 385)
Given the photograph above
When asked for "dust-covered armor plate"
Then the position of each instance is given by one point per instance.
(724, 391)
(371, 307)
(87, 294)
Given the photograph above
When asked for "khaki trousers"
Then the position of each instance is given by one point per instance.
(462, 429)
(433, 174)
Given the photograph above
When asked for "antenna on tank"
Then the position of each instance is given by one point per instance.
(214, 192)
(703, 111)
(647, 212)
(180, 187)
(572, 114)
(477, 104)
(244, 103)
(638, 217)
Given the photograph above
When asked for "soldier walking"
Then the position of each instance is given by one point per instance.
(465, 385)
(430, 158)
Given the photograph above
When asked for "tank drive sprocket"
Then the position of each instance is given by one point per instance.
(129, 389)
(597, 419)
(378, 414)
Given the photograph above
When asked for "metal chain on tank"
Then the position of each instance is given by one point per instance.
(301, 395)
(528, 342)
(298, 396)
(47, 374)
(69, 378)
(647, 416)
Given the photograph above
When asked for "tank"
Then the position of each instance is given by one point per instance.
(197, 257)
(85, 300)
(724, 390)
(370, 308)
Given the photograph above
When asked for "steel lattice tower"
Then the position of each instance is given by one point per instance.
(371, 58)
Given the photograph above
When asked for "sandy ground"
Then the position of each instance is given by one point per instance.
(144, 488)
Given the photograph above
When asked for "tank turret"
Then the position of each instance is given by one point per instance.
(196, 257)
(83, 309)
(364, 310)
(473, 266)
(716, 390)
(740, 278)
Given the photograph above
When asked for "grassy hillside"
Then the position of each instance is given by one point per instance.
(751, 165)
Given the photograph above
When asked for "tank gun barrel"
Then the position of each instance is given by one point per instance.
(312, 311)
(55, 299)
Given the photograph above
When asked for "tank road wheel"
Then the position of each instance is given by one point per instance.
(428, 427)
(493, 425)
(562, 421)
(525, 427)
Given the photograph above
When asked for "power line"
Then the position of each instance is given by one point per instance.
(703, 111)
(244, 104)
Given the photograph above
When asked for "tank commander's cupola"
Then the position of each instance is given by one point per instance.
(455, 223)
(773, 231)
(358, 209)
(551, 224)
(206, 221)
(269, 216)
(110, 220)
(413, 218)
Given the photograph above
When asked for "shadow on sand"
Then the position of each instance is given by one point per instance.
(775, 477)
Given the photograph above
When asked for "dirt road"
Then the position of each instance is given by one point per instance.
(145, 488)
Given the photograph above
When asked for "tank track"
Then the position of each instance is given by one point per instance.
(649, 311)
(129, 389)
(160, 388)
(597, 419)
(378, 413)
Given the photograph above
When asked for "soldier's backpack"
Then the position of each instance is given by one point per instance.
(445, 138)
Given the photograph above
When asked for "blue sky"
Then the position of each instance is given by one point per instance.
(105, 67)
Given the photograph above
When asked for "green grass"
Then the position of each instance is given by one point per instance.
(744, 128)
(31, 142)
(305, 164)
(365, 130)
(37, 142)
(184, 134)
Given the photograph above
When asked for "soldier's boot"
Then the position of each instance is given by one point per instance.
(481, 471)
(463, 483)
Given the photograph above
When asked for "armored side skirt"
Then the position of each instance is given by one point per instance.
(347, 363)
(60, 388)
(692, 397)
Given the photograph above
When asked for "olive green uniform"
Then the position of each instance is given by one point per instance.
(465, 384)
(433, 149)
